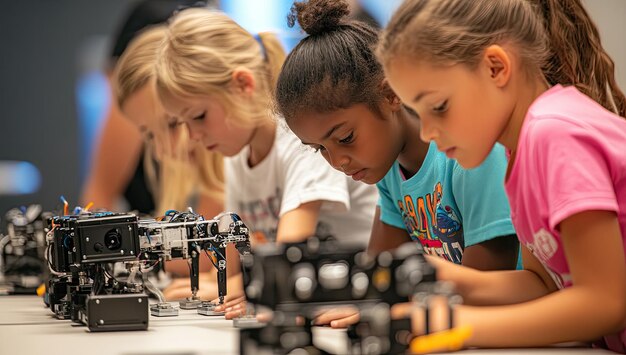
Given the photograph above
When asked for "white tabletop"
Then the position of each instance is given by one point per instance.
(27, 327)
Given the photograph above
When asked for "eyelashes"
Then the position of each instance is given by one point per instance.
(441, 108)
(348, 139)
(200, 117)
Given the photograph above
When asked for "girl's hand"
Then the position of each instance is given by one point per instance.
(445, 269)
(181, 288)
(461, 276)
(233, 307)
(340, 317)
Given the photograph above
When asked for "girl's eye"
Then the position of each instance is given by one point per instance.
(149, 136)
(200, 117)
(172, 124)
(348, 139)
(441, 108)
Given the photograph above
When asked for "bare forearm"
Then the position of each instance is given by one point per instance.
(499, 253)
(114, 160)
(385, 237)
(210, 206)
(233, 263)
(573, 314)
(299, 224)
(594, 306)
(493, 288)
(235, 285)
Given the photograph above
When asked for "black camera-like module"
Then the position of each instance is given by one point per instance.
(93, 238)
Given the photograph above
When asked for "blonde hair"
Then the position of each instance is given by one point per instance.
(556, 38)
(176, 178)
(202, 50)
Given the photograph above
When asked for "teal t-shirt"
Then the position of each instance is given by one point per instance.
(445, 207)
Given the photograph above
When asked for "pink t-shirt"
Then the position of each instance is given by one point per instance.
(571, 157)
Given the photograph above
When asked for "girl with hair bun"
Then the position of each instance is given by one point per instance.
(333, 95)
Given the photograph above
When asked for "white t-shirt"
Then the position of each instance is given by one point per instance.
(289, 176)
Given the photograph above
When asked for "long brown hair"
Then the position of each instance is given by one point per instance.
(556, 37)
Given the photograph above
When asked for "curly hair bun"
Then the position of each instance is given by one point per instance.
(318, 16)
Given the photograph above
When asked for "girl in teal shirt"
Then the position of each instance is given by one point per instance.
(332, 93)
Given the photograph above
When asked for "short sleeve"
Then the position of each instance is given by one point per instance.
(480, 196)
(573, 166)
(389, 212)
(308, 177)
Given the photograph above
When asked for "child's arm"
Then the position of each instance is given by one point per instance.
(384, 236)
(181, 288)
(594, 306)
(499, 253)
(113, 162)
(298, 224)
(482, 288)
(209, 207)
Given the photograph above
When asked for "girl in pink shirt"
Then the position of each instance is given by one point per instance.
(533, 76)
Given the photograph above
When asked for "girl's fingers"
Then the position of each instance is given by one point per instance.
(335, 314)
(345, 322)
(229, 304)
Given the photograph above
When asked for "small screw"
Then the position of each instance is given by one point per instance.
(97, 301)
(87, 239)
(101, 321)
(139, 300)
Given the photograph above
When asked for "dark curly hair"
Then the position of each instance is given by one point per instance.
(334, 67)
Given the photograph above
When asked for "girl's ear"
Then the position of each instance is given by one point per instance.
(497, 63)
(243, 81)
(390, 96)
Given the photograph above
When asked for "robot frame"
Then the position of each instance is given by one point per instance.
(81, 248)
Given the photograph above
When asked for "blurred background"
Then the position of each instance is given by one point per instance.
(54, 96)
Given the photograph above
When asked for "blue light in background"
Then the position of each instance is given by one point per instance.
(93, 92)
(93, 97)
(271, 15)
(380, 10)
(260, 16)
(18, 178)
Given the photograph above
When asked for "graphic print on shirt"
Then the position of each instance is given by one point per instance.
(543, 247)
(435, 225)
(262, 215)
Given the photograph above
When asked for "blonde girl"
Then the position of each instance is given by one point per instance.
(178, 169)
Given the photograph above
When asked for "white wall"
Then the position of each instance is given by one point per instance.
(610, 17)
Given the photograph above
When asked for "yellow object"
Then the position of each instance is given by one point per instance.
(41, 290)
(381, 278)
(450, 340)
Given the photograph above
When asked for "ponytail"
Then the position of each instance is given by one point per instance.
(577, 56)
